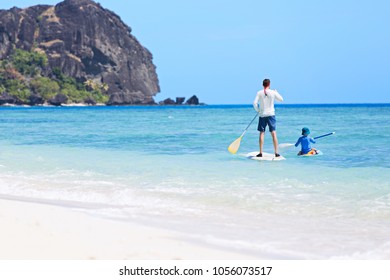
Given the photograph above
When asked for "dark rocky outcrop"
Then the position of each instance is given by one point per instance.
(90, 101)
(168, 101)
(120, 98)
(58, 100)
(84, 41)
(6, 98)
(35, 100)
(180, 100)
(193, 100)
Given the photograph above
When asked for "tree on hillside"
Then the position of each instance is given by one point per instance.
(28, 63)
(45, 87)
(18, 89)
(20, 76)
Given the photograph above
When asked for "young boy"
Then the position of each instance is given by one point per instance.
(305, 141)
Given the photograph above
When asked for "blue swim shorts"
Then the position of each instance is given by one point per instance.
(264, 121)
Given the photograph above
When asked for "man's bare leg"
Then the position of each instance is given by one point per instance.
(261, 142)
(275, 141)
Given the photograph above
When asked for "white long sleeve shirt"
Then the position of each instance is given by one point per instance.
(266, 100)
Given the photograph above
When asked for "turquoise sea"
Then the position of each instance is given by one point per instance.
(169, 167)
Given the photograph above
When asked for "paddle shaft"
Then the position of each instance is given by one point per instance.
(249, 125)
(323, 135)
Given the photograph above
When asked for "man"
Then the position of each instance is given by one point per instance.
(266, 98)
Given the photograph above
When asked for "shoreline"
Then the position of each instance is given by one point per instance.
(7, 105)
(36, 231)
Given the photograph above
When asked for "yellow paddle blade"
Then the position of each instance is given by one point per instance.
(233, 148)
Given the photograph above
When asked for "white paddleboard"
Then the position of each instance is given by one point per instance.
(266, 156)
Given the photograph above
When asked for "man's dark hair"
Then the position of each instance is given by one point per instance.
(266, 83)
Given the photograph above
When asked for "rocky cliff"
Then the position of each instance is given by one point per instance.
(84, 41)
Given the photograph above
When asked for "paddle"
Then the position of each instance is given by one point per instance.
(324, 135)
(287, 145)
(233, 147)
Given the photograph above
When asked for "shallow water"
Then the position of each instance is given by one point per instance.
(169, 167)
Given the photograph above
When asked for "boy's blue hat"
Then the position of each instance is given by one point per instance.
(305, 131)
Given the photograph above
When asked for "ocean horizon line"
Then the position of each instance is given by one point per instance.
(282, 105)
(311, 104)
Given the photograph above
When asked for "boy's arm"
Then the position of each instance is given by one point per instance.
(299, 140)
(312, 140)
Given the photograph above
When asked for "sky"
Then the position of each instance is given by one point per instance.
(221, 50)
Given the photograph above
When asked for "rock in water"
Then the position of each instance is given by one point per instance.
(84, 41)
(179, 100)
(193, 100)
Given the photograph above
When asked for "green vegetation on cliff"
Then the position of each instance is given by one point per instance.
(22, 78)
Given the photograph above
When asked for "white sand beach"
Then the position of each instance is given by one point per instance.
(40, 231)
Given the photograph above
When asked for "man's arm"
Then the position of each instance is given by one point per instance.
(256, 103)
(278, 96)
